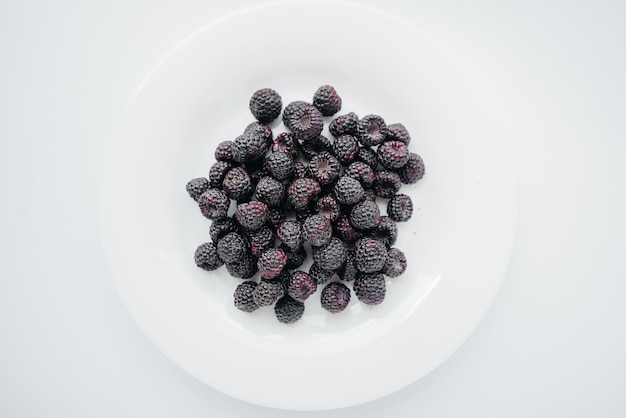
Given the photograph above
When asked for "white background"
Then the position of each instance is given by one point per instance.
(552, 344)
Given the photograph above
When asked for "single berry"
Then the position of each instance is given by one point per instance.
(369, 194)
(268, 292)
(206, 257)
(276, 216)
(370, 288)
(326, 100)
(313, 146)
(217, 172)
(265, 105)
(279, 165)
(328, 207)
(320, 275)
(243, 296)
(290, 233)
(348, 271)
(346, 231)
(305, 121)
(244, 269)
(362, 172)
(237, 184)
(261, 240)
(371, 130)
(272, 262)
(346, 148)
(232, 247)
(332, 255)
(370, 255)
(224, 151)
(301, 286)
(300, 170)
(368, 156)
(365, 215)
(301, 191)
(295, 259)
(288, 310)
(317, 230)
(413, 170)
(261, 129)
(195, 187)
(249, 146)
(285, 142)
(393, 154)
(397, 132)
(324, 168)
(344, 125)
(251, 215)
(214, 204)
(386, 231)
(400, 208)
(221, 227)
(395, 264)
(335, 297)
(386, 184)
(270, 191)
(348, 191)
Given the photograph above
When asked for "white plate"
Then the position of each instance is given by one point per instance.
(458, 242)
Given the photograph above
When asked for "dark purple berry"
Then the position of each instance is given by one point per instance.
(335, 297)
(288, 310)
(270, 191)
(370, 288)
(313, 146)
(251, 215)
(206, 257)
(305, 121)
(397, 132)
(301, 286)
(279, 165)
(346, 148)
(317, 230)
(244, 301)
(290, 233)
(393, 154)
(213, 204)
(324, 168)
(328, 207)
(295, 259)
(369, 195)
(221, 227)
(276, 216)
(195, 187)
(265, 105)
(261, 129)
(300, 170)
(371, 130)
(332, 255)
(348, 271)
(365, 215)
(224, 151)
(268, 292)
(244, 269)
(362, 172)
(249, 147)
(320, 275)
(261, 240)
(285, 142)
(217, 172)
(237, 184)
(272, 262)
(326, 100)
(303, 214)
(395, 264)
(370, 255)
(386, 231)
(301, 191)
(368, 156)
(344, 125)
(348, 191)
(232, 248)
(400, 208)
(413, 170)
(386, 184)
(346, 231)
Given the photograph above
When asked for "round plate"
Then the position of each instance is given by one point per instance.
(458, 242)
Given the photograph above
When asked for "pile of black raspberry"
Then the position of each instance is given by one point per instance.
(301, 193)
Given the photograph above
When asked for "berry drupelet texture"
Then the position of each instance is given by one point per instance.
(317, 230)
(348, 191)
(346, 148)
(313, 146)
(371, 130)
(386, 231)
(346, 231)
(320, 275)
(393, 154)
(290, 233)
(213, 204)
(279, 165)
(249, 146)
(395, 264)
(217, 172)
(344, 125)
(295, 259)
(370, 288)
(251, 215)
(348, 271)
(224, 151)
(265, 105)
(302, 191)
(328, 207)
(386, 184)
(400, 208)
(232, 247)
(243, 269)
(268, 292)
(332, 255)
(301, 285)
(370, 255)
(326, 100)
(362, 172)
(324, 168)
(413, 170)
(288, 310)
(285, 142)
(206, 257)
(237, 184)
(398, 132)
(261, 240)
(365, 215)
(272, 262)
(335, 297)
(243, 296)
(221, 227)
(303, 120)
(270, 191)
(368, 156)
(195, 187)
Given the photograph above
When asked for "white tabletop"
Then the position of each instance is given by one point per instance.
(551, 345)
